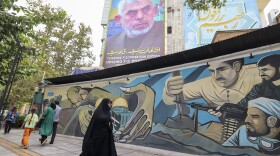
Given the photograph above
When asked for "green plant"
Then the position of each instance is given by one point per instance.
(19, 121)
(201, 5)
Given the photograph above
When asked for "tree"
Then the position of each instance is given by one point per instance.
(204, 4)
(62, 46)
(14, 28)
(59, 46)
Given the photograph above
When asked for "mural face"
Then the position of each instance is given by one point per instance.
(200, 27)
(135, 32)
(256, 123)
(268, 72)
(224, 74)
(230, 107)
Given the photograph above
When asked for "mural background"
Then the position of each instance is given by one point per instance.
(142, 117)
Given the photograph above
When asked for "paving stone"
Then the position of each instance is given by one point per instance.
(72, 146)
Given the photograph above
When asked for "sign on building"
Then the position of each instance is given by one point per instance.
(200, 27)
(135, 32)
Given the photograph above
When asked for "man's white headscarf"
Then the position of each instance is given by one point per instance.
(269, 106)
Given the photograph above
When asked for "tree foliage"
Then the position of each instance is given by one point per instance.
(12, 28)
(59, 43)
(62, 46)
(204, 4)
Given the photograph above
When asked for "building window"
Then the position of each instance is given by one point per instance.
(169, 30)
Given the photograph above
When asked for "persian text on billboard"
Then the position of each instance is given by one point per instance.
(201, 27)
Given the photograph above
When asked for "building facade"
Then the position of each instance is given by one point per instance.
(176, 19)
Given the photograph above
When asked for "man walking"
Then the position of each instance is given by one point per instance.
(55, 120)
(10, 119)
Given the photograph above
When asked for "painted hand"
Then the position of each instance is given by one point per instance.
(174, 85)
(140, 123)
(85, 116)
(216, 111)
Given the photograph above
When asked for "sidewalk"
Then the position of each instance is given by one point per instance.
(66, 145)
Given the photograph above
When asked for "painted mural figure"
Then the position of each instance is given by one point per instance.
(142, 35)
(262, 130)
(135, 103)
(230, 82)
(132, 114)
(140, 123)
(76, 95)
(269, 68)
(81, 111)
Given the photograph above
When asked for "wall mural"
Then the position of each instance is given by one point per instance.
(229, 108)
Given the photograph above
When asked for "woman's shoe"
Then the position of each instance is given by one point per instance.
(44, 142)
(25, 146)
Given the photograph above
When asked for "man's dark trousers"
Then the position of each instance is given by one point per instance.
(8, 126)
(54, 131)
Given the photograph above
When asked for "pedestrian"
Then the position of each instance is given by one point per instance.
(55, 120)
(10, 119)
(47, 125)
(28, 125)
(99, 140)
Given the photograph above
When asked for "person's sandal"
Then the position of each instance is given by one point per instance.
(25, 146)
(44, 142)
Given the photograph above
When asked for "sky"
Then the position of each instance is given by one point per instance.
(88, 12)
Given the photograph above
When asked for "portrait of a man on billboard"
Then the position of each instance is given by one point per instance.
(135, 32)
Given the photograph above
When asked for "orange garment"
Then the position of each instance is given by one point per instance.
(26, 134)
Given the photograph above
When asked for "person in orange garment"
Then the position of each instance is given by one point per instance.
(28, 125)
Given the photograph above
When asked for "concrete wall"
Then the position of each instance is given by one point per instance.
(145, 115)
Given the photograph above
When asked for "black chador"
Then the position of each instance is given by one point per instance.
(98, 140)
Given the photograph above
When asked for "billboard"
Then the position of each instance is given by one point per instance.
(200, 27)
(135, 32)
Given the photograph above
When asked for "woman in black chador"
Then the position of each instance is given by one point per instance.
(98, 140)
